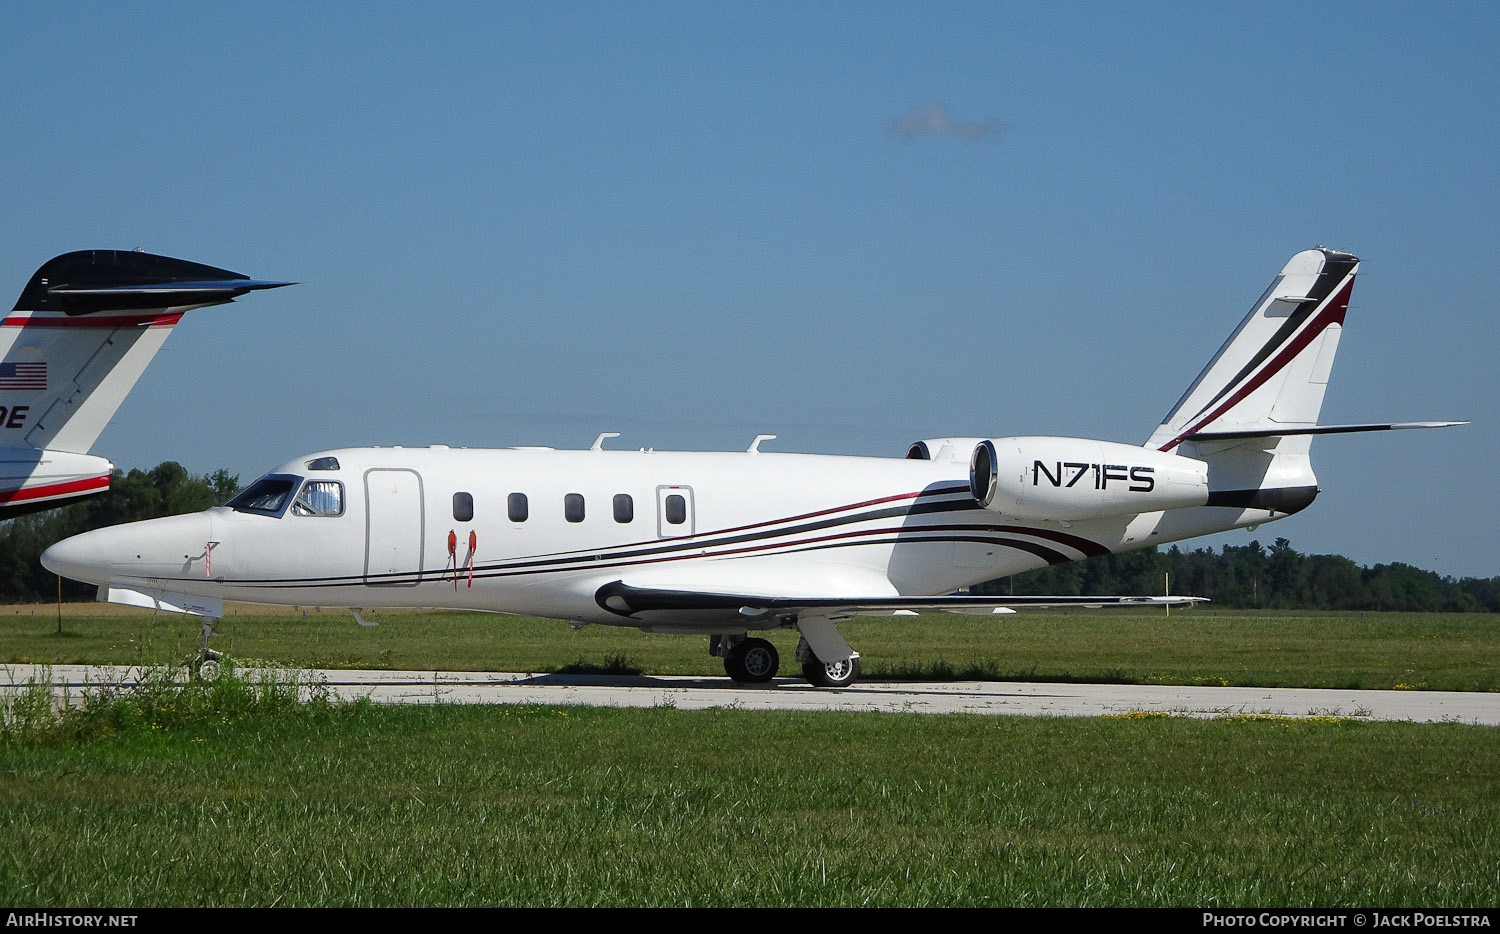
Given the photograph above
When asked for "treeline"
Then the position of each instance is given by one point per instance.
(1252, 576)
(165, 490)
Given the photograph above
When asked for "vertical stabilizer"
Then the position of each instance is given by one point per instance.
(81, 334)
(1273, 370)
(83, 331)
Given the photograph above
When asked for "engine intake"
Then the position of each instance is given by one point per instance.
(950, 450)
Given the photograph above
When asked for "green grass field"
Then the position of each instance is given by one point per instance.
(246, 801)
(226, 795)
(1453, 652)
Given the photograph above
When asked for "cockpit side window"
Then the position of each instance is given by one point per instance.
(268, 496)
(320, 498)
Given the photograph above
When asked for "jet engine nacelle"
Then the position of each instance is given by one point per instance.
(952, 450)
(1077, 478)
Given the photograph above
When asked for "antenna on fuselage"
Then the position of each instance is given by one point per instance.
(598, 444)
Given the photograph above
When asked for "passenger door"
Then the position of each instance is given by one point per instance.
(393, 527)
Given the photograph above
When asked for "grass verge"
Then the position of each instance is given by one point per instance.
(1419, 651)
(163, 698)
(232, 794)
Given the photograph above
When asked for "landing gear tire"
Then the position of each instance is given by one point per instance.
(207, 666)
(754, 661)
(839, 674)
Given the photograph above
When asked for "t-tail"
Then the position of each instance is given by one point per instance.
(1253, 411)
(80, 335)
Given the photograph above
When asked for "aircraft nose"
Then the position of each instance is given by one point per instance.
(79, 558)
(154, 548)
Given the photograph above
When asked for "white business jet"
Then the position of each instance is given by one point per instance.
(728, 544)
(81, 334)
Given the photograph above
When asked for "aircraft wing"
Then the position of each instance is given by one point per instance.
(657, 605)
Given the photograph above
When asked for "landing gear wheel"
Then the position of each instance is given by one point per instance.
(754, 661)
(207, 666)
(839, 674)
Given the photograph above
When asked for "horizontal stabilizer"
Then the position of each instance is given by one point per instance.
(88, 281)
(1315, 430)
(179, 293)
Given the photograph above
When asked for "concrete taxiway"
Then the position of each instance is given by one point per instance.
(697, 693)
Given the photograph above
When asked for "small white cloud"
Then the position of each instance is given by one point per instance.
(933, 120)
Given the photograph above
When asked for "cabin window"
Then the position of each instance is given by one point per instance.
(267, 496)
(624, 508)
(320, 498)
(675, 507)
(516, 507)
(573, 507)
(463, 507)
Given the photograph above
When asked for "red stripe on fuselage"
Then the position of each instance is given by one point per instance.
(87, 485)
(526, 567)
(91, 321)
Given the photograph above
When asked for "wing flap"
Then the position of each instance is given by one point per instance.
(664, 606)
(166, 600)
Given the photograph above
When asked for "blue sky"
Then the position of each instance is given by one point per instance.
(851, 225)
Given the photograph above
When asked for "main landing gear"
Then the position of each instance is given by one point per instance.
(837, 674)
(751, 660)
(755, 661)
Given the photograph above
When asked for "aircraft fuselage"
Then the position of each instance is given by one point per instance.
(539, 531)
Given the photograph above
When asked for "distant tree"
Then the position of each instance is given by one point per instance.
(1249, 576)
(1336, 582)
(164, 490)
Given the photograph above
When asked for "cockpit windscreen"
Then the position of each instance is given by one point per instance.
(267, 496)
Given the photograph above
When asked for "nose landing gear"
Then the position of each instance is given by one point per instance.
(207, 664)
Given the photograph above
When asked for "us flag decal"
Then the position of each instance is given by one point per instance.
(23, 376)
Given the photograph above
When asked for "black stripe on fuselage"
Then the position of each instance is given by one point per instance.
(698, 543)
(860, 538)
(1051, 556)
(770, 537)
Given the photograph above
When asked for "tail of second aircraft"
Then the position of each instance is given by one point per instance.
(1252, 412)
(79, 337)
